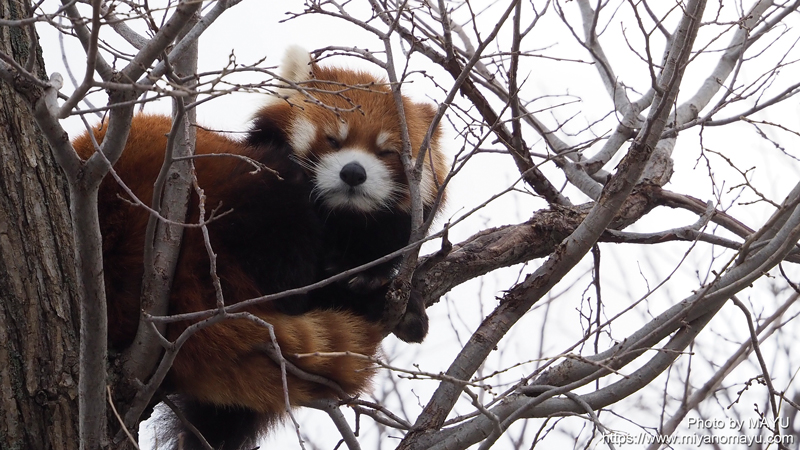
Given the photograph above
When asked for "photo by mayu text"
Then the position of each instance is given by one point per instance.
(758, 431)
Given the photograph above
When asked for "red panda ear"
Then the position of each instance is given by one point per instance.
(423, 114)
(427, 112)
(296, 65)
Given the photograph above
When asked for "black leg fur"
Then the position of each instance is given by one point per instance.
(413, 326)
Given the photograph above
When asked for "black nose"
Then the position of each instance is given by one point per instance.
(353, 174)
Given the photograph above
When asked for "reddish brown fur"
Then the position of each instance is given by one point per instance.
(224, 364)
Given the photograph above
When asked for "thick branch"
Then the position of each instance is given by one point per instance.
(164, 37)
(545, 405)
(163, 241)
(521, 297)
(705, 300)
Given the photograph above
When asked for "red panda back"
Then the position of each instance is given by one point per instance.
(226, 364)
(123, 224)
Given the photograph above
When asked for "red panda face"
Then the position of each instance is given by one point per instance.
(344, 128)
(354, 164)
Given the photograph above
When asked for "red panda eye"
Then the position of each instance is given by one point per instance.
(386, 153)
(334, 143)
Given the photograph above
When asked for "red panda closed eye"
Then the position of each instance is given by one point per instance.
(341, 200)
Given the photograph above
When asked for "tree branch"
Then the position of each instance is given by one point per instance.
(521, 297)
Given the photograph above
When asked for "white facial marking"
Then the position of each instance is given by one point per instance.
(378, 190)
(382, 139)
(343, 130)
(301, 135)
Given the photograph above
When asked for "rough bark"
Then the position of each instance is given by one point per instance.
(38, 303)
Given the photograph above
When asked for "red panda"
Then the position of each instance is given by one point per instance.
(341, 200)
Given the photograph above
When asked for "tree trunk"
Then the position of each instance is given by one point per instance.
(38, 301)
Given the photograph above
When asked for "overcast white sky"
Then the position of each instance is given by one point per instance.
(252, 30)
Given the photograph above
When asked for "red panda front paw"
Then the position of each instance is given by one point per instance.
(413, 326)
(364, 283)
